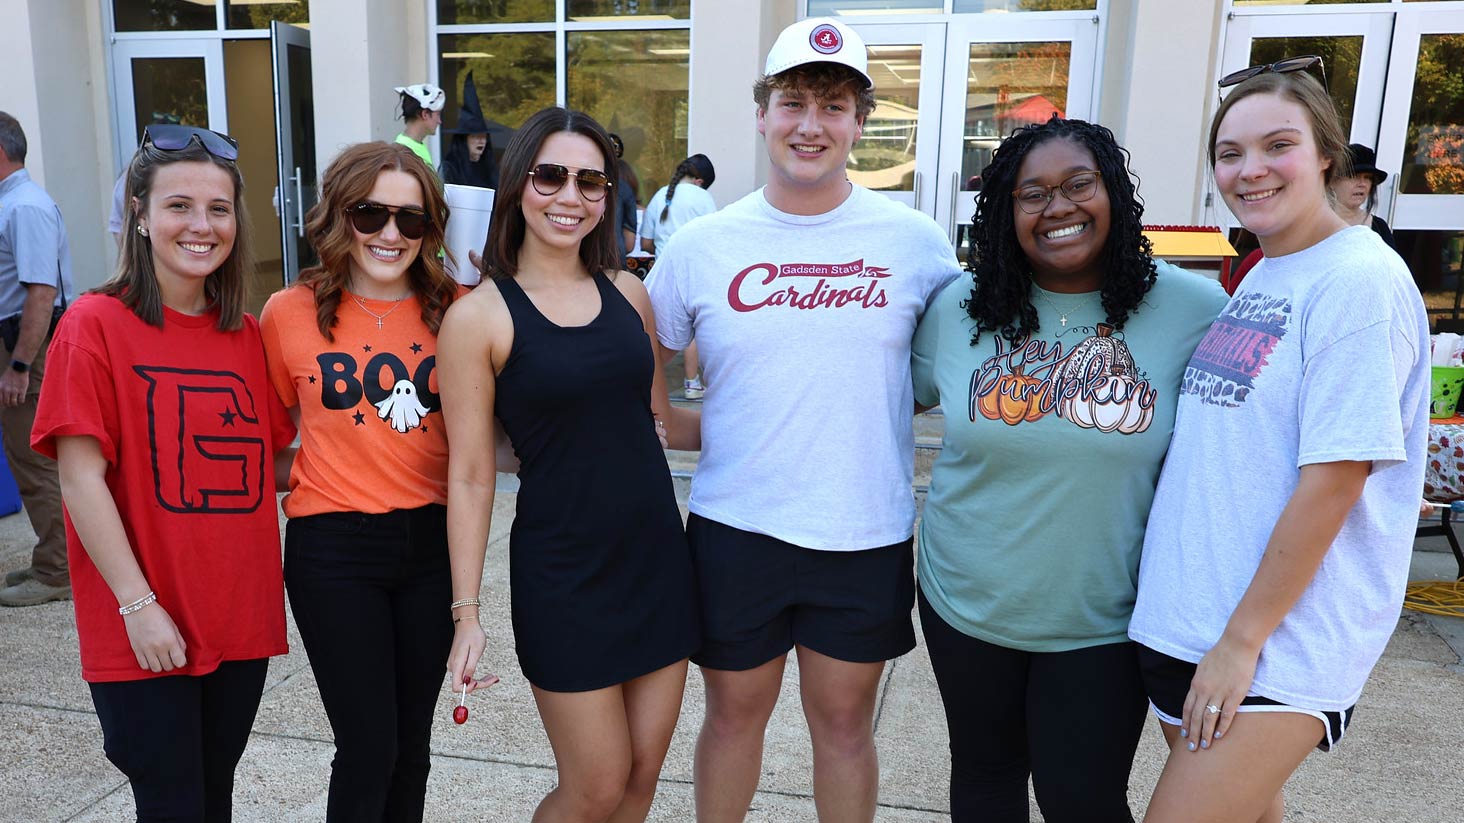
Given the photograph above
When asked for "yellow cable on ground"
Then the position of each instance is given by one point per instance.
(1443, 597)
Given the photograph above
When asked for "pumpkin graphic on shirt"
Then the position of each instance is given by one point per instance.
(1017, 397)
(1099, 387)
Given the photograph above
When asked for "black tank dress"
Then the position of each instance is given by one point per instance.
(599, 571)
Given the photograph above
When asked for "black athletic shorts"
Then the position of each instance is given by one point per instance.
(761, 596)
(1167, 680)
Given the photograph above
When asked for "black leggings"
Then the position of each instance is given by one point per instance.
(371, 596)
(178, 738)
(1070, 719)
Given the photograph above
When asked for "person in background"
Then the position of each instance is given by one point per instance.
(35, 285)
(421, 112)
(1069, 339)
(556, 343)
(351, 350)
(674, 205)
(627, 197)
(159, 411)
(1260, 619)
(468, 159)
(1356, 195)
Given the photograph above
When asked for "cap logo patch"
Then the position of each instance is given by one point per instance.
(825, 39)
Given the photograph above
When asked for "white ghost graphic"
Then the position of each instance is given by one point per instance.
(402, 407)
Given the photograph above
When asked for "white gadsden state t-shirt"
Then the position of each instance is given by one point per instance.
(1321, 356)
(803, 325)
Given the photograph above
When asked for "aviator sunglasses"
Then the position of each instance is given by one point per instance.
(1079, 188)
(549, 178)
(169, 137)
(1289, 64)
(370, 218)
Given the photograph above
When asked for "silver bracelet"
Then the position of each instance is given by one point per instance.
(466, 601)
(138, 604)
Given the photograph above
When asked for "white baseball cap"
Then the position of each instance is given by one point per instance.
(429, 96)
(819, 40)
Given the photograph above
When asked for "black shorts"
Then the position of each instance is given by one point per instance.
(761, 596)
(1167, 680)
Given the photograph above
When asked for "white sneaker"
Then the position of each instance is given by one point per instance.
(693, 389)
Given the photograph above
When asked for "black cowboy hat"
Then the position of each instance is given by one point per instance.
(1365, 161)
(470, 115)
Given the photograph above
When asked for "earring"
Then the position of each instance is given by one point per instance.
(142, 230)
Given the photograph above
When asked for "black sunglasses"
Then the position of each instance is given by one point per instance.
(173, 138)
(1079, 188)
(549, 178)
(370, 218)
(1289, 64)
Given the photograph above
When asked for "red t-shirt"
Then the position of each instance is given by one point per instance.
(189, 425)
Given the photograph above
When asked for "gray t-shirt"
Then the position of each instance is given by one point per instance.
(1321, 356)
(803, 324)
(691, 201)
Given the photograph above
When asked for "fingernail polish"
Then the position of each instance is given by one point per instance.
(1192, 745)
(1204, 744)
(1184, 732)
(1218, 734)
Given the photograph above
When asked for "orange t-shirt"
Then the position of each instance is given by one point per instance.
(371, 432)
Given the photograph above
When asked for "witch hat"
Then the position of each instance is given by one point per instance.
(470, 115)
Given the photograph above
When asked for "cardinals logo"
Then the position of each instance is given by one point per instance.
(207, 455)
(825, 39)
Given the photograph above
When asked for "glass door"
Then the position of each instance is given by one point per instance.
(295, 136)
(1423, 109)
(1003, 73)
(172, 81)
(898, 154)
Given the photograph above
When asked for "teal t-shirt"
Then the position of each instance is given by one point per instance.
(1035, 518)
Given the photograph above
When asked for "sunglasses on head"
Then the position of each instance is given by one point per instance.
(370, 218)
(549, 178)
(173, 138)
(1283, 66)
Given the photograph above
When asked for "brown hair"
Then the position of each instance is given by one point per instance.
(135, 282)
(599, 250)
(823, 80)
(1304, 90)
(348, 181)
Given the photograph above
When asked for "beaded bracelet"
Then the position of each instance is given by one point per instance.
(138, 604)
(466, 601)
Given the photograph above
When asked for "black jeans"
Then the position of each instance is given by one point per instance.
(1070, 719)
(178, 738)
(370, 594)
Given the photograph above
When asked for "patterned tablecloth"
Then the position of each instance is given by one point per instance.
(1443, 480)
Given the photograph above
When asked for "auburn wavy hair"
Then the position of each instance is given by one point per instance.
(348, 181)
(1002, 277)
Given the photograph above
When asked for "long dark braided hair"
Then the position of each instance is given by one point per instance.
(1001, 275)
(698, 166)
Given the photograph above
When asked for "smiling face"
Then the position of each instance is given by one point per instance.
(379, 261)
(1271, 174)
(1063, 243)
(559, 221)
(808, 141)
(190, 221)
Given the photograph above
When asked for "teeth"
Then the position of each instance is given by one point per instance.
(1257, 195)
(1066, 232)
(806, 148)
(385, 254)
(199, 248)
(563, 220)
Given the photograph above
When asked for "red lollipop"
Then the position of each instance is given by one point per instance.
(460, 714)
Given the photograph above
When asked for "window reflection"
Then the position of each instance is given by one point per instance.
(165, 15)
(1433, 157)
(1009, 85)
(639, 9)
(970, 6)
(884, 158)
(253, 14)
(169, 90)
(457, 12)
(514, 74)
(635, 84)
